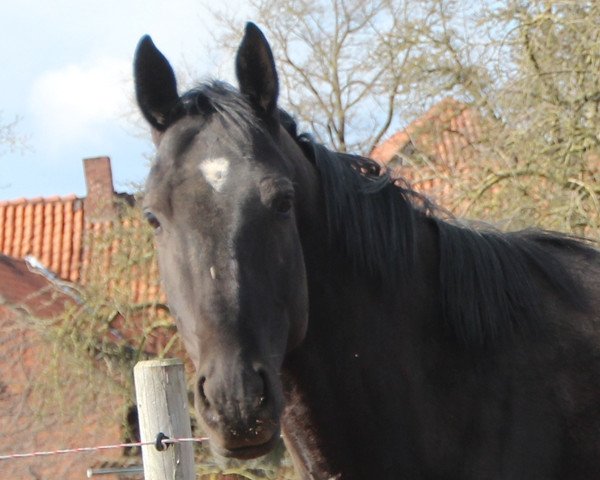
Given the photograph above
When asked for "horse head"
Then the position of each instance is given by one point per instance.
(222, 196)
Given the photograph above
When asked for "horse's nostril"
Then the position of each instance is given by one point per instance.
(201, 392)
(262, 399)
(248, 395)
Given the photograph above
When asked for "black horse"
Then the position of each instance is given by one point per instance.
(314, 293)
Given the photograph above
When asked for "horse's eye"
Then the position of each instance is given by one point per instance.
(283, 204)
(152, 220)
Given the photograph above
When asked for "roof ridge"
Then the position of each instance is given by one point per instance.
(34, 200)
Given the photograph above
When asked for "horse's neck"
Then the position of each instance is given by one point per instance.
(335, 380)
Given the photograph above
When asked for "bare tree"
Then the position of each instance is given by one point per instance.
(542, 141)
(354, 71)
(345, 71)
(527, 70)
(10, 139)
(551, 109)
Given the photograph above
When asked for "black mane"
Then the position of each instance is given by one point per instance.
(489, 280)
(370, 217)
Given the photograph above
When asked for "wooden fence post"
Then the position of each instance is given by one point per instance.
(162, 404)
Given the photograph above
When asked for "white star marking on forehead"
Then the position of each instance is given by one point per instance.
(215, 171)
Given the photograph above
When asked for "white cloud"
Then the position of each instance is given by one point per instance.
(75, 103)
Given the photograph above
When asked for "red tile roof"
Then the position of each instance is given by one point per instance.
(447, 136)
(447, 132)
(50, 229)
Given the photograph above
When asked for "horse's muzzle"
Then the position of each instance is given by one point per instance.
(240, 409)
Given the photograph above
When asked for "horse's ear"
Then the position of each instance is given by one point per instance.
(255, 70)
(155, 84)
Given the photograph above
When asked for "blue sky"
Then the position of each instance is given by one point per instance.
(66, 72)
